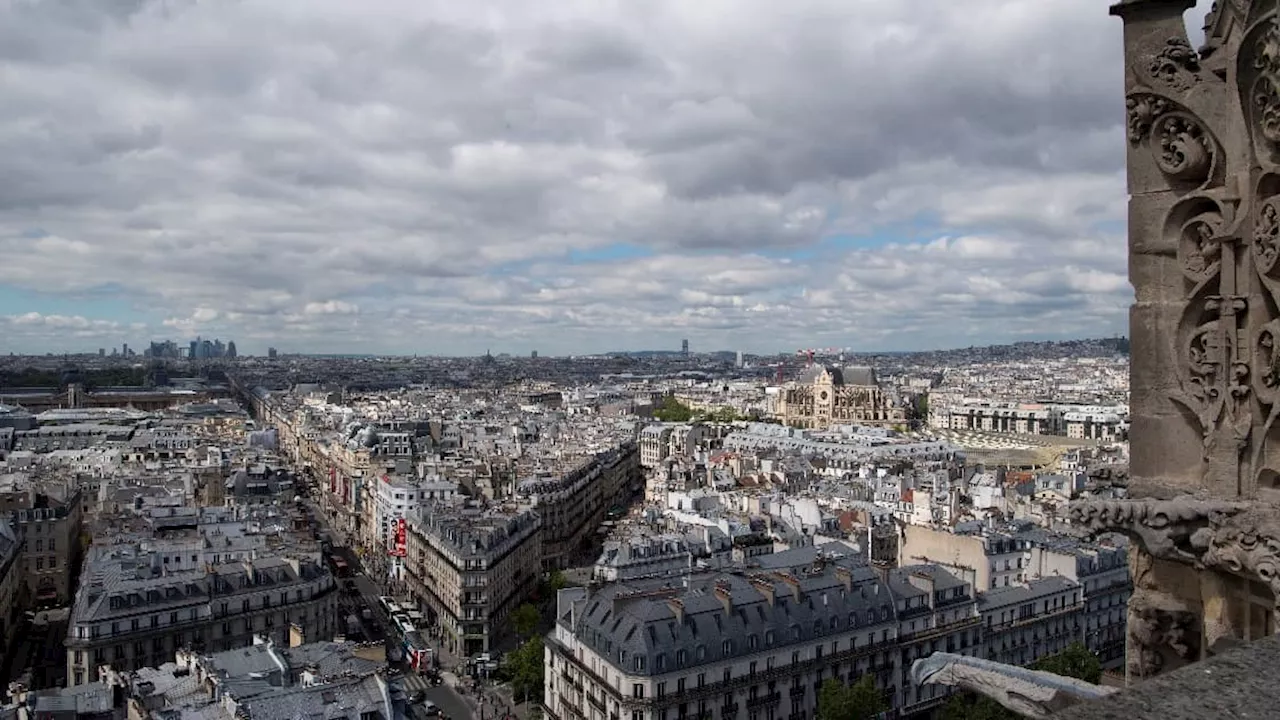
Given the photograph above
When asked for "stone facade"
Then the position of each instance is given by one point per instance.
(1204, 242)
(826, 396)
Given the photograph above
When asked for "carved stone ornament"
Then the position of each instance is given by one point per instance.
(1199, 249)
(1249, 549)
(1266, 90)
(1143, 109)
(1030, 693)
(1181, 529)
(1183, 149)
(1209, 534)
(1162, 630)
(1266, 362)
(1177, 65)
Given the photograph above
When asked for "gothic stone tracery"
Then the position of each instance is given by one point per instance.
(1203, 162)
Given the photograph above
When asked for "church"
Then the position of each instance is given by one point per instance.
(823, 396)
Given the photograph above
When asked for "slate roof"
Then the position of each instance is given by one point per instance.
(656, 626)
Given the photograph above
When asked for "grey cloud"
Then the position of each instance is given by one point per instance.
(440, 160)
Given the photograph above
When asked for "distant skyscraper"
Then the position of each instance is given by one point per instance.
(684, 347)
(271, 353)
(231, 348)
(740, 363)
(534, 354)
(102, 352)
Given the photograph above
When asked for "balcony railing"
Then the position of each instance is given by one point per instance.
(721, 687)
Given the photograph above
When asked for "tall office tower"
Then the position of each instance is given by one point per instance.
(684, 347)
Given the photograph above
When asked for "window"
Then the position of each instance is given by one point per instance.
(637, 690)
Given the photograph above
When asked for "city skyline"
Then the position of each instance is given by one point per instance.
(146, 349)
(291, 181)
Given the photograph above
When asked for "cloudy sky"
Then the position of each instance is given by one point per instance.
(445, 177)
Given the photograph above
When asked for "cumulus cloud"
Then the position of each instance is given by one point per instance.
(431, 176)
(51, 328)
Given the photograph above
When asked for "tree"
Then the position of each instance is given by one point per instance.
(860, 701)
(549, 586)
(1075, 661)
(525, 620)
(967, 706)
(556, 581)
(672, 410)
(526, 667)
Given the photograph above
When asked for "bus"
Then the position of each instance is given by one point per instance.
(340, 567)
(416, 651)
(389, 605)
(402, 625)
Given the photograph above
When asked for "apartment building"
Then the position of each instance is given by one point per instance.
(11, 583)
(663, 440)
(1096, 424)
(573, 505)
(1021, 418)
(470, 567)
(389, 500)
(1022, 623)
(134, 609)
(268, 680)
(759, 645)
(1020, 555)
(51, 547)
(1083, 422)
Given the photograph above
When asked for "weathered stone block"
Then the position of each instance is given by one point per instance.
(1172, 458)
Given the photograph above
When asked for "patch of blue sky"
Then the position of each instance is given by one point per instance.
(105, 302)
(923, 228)
(1111, 227)
(609, 253)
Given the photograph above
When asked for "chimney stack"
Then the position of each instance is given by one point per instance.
(725, 597)
(845, 577)
(677, 607)
(765, 586)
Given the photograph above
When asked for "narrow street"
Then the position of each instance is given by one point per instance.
(379, 628)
